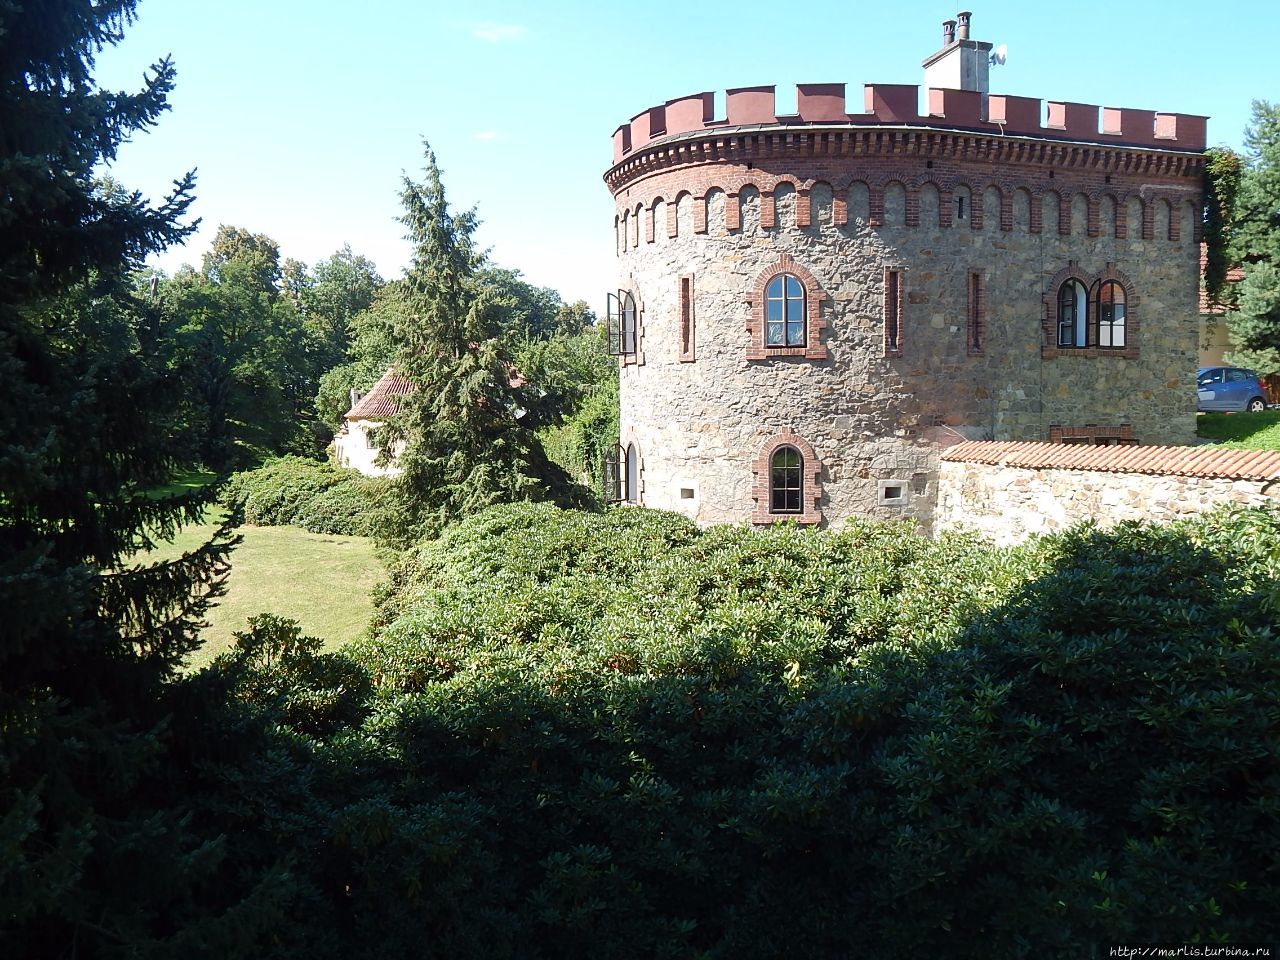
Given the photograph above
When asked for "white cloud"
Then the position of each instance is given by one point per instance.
(485, 135)
(497, 32)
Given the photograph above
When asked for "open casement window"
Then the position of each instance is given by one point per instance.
(614, 472)
(620, 314)
(621, 470)
(1109, 315)
(613, 318)
(1073, 315)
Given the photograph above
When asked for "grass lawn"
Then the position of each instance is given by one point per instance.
(1251, 431)
(322, 581)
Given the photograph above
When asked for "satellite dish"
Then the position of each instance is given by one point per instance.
(999, 55)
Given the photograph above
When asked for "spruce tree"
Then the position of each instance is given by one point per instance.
(469, 424)
(97, 857)
(1255, 322)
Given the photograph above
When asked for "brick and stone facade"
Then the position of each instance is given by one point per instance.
(930, 249)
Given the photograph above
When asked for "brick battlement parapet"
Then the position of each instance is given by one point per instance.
(898, 105)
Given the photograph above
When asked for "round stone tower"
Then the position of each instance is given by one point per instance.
(811, 306)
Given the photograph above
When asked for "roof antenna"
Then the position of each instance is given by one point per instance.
(1000, 55)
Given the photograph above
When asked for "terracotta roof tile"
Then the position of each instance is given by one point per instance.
(383, 399)
(1206, 461)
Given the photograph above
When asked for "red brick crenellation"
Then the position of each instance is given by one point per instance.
(826, 103)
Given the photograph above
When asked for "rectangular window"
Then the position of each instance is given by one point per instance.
(687, 332)
(892, 312)
(977, 313)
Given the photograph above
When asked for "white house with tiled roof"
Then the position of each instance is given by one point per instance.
(354, 445)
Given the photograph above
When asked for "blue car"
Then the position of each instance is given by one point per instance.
(1229, 388)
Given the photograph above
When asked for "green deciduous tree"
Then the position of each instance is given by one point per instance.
(250, 361)
(470, 423)
(332, 295)
(1254, 323)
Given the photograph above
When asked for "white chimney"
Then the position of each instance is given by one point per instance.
(961, 64)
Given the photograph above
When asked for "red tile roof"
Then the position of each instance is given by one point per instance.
(1204, 461)
(383, 399)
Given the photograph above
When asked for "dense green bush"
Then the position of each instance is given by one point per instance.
(617, 736)
(315, 496)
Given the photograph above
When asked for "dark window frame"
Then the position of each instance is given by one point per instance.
(1105, 318)
(1073, 295)
(786, 481)
(787, 290)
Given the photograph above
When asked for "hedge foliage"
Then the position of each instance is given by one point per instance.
(315, 496)
(617, 736)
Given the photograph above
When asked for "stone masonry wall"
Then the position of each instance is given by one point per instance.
(874, 419)
(1008, 504)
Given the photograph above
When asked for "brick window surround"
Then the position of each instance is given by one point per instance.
(1049, 349)
(811, 483)
(814, 348)
(637, 357)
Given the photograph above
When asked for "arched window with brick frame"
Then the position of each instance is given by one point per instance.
(788, 481)
(1091, 315)
(785, 313)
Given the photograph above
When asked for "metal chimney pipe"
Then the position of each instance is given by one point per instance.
(962, 24)
(948, 32)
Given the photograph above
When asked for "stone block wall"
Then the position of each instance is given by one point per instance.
(1008, 492)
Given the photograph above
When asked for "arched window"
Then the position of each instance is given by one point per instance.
(784, 312)
(1073, 314)
(628, 309)
(786, 481)
(631, 493)
(1110, 314)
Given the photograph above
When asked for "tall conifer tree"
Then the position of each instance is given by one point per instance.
(469, 424)
(96, 858)
(1255, 323)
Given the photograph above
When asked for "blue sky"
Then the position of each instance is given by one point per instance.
(301, 116)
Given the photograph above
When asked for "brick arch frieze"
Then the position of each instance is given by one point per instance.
(811, 493)
(815, 325)
(652, 208)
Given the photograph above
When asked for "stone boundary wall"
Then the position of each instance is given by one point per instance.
(1010, 491)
